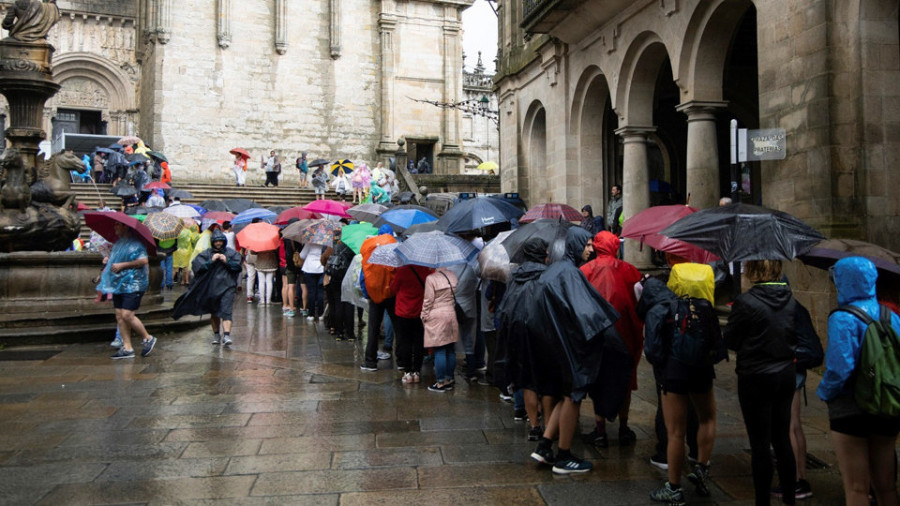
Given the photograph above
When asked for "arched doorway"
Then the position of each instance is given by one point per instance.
(599, 151)
(532, 177)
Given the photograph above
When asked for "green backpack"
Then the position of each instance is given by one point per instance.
(877, 375)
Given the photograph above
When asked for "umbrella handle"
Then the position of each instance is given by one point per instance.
(641, 247)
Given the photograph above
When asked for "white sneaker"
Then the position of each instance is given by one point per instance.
(383, 355)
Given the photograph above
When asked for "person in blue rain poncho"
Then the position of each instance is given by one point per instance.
(126, 278)
(864, 443)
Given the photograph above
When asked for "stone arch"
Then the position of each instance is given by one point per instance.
(591, 104)
(637, 81)
(532, 177)
(704, 51)
(98, 75)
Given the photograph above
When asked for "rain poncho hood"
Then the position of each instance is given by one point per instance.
(693, 280)
(218, 235)
(385, 229)
(535, 250)
(212, 281)
(854, 278)
(576, 239)
(606, 244)
(126, 249)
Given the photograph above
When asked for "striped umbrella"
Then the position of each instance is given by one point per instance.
(435, 249)
(163, 226)
(386, 254)
(345, 165)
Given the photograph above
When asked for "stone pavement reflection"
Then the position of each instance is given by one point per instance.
(286, 417)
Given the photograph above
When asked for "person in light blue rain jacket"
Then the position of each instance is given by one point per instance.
(864, 443)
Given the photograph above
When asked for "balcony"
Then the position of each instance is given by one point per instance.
(569, 20)
(540, 16)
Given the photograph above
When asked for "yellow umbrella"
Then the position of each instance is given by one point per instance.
(342, 165)
(488, 166)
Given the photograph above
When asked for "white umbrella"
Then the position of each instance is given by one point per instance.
(182, 211)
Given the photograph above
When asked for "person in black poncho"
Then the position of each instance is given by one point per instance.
(217, 273)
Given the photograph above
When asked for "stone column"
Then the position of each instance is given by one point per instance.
(635, 187)
(223, 23)
(163, 21)
(387, 24)
(702, 152)
(450, 158)
(281, 16)
(335, 9)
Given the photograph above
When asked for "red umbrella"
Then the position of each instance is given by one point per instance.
(157, 185)
(259, 237)
(552, 211)
(219, 216)
(104, 224)
(646, 225)
(328, 207)
(295, 212)
(240, 151)
(83, 207)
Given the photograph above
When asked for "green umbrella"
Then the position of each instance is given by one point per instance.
(354, 235)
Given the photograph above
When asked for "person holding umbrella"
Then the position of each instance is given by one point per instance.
(126, 277)
(240, 169)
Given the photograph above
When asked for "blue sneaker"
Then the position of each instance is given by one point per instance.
(122, 353)
(572, 465)
(117, 343)
(147, 346)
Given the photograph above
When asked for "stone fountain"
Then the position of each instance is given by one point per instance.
(43, 290)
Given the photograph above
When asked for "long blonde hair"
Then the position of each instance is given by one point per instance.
(762, 271)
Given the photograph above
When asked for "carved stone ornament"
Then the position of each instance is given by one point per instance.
(31, 20)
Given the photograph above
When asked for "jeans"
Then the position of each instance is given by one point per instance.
(166, 265)
(766, 405)
(445, 362)
(377, 313)
(388, 334)
(519, 399)
(410, 343)
(315, 295)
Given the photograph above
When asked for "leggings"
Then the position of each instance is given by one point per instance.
(251, 281)
(410, 342)
(766, 405)
(445, 362)
(266, 279)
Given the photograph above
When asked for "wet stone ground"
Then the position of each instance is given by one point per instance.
(287, 417)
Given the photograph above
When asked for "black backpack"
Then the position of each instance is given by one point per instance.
(696, 338)
(339, 261)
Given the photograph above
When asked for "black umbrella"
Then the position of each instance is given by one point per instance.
(480, 212)
(317, 162)
(181, 194)
(739, 232)
(237, 206)
(421, 227)
(117, 147)
(278, 209)
(158, 156)
(824, 254)
(124, 190)
(105, 150)
(215, 205)
(551, 230)
(137, 158)
(405, 197)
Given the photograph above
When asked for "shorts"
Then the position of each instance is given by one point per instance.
(866, 425)
(681, 379)
(291, 276)
(226, 305)
(800, 382)
(127, 301)
(319, 190)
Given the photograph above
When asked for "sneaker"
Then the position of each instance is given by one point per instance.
(535, 433)
(802, 490)
(416, 378)
(627, 437)
(310, 318)
(226, 341)
(407, 378)
(290, 314)
(383, 355)
(699, 476)
(660, 462)
(216, 339)
(117, 343)
(505, 396)
(543, 455)
(520, 415)
(572, 465)
(122, 353)
(368, 367)
(147, 346)
(249, 300)
(437, 387)
(596, 438)
(668, 495)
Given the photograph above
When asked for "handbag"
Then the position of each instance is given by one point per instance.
(460, 312)
(298, 262)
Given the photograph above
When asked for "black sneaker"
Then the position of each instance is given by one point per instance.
(668, 495)
(596, 438)
(505, 396)
(802, 491)
(543, 455)
(147, 346)
(520, 415)
(216, 339)
(535, 433)
(122, 353)
(572, 465)
(660, 462)
(699, 476)
(627, 437)
(368, 367)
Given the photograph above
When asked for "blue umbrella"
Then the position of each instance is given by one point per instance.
(477, 213)
(250, 214)
(435, 249)
(197, 208)
(402, 219)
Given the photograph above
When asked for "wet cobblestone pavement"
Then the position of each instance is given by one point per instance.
(287, 417)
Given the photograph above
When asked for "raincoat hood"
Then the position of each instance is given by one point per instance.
(606, 243)
(576, 239)
(385, 229)
(655, 292)
(528, 271)
(218, 235)
(854, 278)
(693, 280)
(535, 250)
(589, 210)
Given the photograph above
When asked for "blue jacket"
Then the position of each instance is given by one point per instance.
(854, 278)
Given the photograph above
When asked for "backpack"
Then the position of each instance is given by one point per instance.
(876, 385)
(696, 338)
(809, 350)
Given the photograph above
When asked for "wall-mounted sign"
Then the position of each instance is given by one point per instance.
(763, 144)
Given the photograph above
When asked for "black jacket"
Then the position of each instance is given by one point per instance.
(520, 348)
(762, 329)
(655, 308)
(212, 281)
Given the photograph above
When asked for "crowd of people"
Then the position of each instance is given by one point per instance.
(568, 324)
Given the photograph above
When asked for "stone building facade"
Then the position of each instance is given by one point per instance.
(196, 78)
(480, 123)
(641, 93)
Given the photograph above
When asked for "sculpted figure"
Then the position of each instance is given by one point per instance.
(53, 184)
(14, 191)
(31, 20)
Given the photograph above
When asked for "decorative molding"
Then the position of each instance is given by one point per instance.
(335, 28)
(668, 7)
(281, 15)
(223, 23)
(163, 21)
(610, 39)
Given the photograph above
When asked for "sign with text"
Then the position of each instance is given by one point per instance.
(763, 144)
